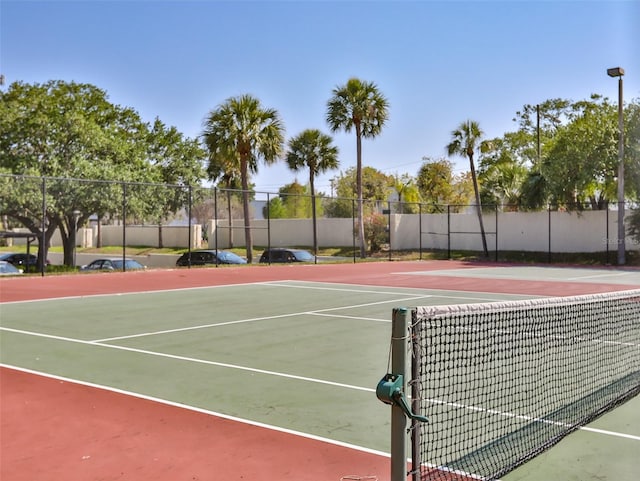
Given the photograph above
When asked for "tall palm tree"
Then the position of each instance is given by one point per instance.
(359, 106)
(239, 133)
(465, 141)
(312, 149)
(227, 174)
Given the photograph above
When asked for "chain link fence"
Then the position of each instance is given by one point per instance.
(78, 217)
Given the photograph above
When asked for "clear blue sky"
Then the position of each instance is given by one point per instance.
(438, 63)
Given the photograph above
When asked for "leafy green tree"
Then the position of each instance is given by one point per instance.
(238, 134)
(632, 166)
(578, 155)
(465, 142)
(375, 187)
(501, 172)
(632, 150)
(59, 131)
(358, 105)
(342, 203)
(179, 165)
(275, 209)
(405, 188)
(581, 165)
(293, 202)
(462, 191)
(312, 150)
(296, 200)
(439, 186)
(538, 125)
(435, 181)
(529, 145)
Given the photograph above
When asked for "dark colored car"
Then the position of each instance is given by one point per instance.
(112, 265)
(204, 257)
(19, 259)
(286, 255)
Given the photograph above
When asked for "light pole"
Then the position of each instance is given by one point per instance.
(619, 72)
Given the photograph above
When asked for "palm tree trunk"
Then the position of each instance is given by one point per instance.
(245, 207)
(230, 215)
(363, 251)
(478, 206)
(313, 213)
(99, 233)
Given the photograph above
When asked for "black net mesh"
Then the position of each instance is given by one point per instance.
(502, 382)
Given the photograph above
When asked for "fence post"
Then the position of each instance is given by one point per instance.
(420, 229)
(43, 239)
(549, 229)
(607, 233)
(496, 207)
(448, 231)
(189, 239)
(269, 226)
(214, 227)
(124, 224)
(389, 225)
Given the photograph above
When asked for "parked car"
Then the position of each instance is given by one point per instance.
(8, 269)
(112, 264)
(19, 259)
(204, 257)
(286, 255)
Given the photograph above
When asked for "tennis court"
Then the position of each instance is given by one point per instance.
(275, 368)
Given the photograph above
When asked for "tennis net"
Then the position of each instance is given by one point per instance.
(502, 382)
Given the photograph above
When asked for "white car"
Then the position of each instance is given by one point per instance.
(113, 264)
(8, 269)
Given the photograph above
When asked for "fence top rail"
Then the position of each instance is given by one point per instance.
(552, 206)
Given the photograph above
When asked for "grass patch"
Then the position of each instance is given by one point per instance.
(130, 250)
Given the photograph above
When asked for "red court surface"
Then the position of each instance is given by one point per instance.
(393, 274)
(54, 430)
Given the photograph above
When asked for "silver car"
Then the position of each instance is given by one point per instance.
(113, 264)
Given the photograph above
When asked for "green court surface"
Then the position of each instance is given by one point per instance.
(304, 356)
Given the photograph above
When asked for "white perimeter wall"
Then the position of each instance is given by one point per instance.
(516, 231)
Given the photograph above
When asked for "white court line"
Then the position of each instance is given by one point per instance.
(306, 379)
(190, 359)
(241, 321)
(323, 288)
(253, 319)
(200, 410)
(355, 318)
(128, 293)
(610, 433)
(524, 417)
(280, 284)
(319, 313)
(431, 291)
(597, 276)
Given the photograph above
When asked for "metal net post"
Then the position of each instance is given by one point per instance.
(399, 330)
